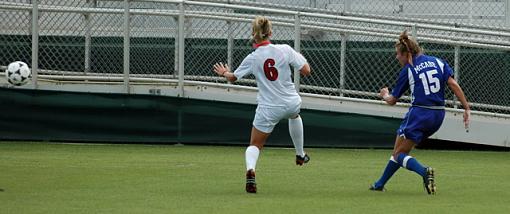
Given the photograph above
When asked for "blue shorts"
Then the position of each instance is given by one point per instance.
(419, 123)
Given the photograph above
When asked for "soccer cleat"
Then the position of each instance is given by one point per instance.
(428, 181)
(373, 188)
(302, 160)
(251, 186)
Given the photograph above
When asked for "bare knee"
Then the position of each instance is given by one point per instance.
(404, 147)
(258, 138)
(258, 145)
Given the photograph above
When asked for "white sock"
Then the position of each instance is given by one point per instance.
(252, 154)
(296, 133)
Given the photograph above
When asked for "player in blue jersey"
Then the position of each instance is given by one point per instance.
(426, 77)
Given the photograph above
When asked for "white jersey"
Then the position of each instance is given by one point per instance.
(271, 66)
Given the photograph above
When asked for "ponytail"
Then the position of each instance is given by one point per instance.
(261, 29)
(408, 46)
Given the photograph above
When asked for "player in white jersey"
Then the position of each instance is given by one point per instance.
(277, 98)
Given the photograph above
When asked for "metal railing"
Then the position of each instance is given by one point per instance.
(172, 41)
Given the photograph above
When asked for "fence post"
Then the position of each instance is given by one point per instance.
(297, 47)
(347, 6)
(456, 71)
(471, 12)
(181, 50)
(507, 13)
(230, 44)
(343, 48)
(35, 42)
(313, 3)
(176, 48)
(414, 32)
(126, 45)
(88, 35)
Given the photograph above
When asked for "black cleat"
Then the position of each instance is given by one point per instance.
(302, 160)
(379, 189)
(428, 181)
(251, 186)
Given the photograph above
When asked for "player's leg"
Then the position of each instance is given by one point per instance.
(296, 134)
(410, 163)
(296, 131)
(257, 141)
(422, 123)
(401, 154)
(263, 125)
(391, 167)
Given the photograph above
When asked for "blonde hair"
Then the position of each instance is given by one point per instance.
(261, 29)
(409, 46)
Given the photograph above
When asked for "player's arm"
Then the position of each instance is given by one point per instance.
(457, 90)
(305, 70)
(385, 94)
(297, 60)
(223, 70)
(399, 89)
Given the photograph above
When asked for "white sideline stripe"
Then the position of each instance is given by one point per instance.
(404, 163)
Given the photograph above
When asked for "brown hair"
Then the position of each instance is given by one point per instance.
(409, 46)
(261, 28)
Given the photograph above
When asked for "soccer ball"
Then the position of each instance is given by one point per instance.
(18, 73)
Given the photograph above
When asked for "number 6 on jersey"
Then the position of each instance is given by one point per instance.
(269, 70)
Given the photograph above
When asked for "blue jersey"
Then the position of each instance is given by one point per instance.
(426, 79)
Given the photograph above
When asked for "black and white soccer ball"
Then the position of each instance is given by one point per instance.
(18, 73)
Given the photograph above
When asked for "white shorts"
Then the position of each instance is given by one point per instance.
(266, 117)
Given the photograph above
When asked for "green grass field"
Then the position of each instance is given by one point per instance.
(99, 178)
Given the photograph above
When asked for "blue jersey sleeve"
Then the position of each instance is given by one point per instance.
(402, 83)
(447, 71)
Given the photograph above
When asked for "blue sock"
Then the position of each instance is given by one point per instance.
(411, 163)
(390, 169)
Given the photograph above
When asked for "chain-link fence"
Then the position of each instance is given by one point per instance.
(15, 39)
(474, 12)
(350, 56)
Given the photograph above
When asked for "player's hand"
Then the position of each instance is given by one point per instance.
(467, 114)
(221, 69)
(384, 92)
